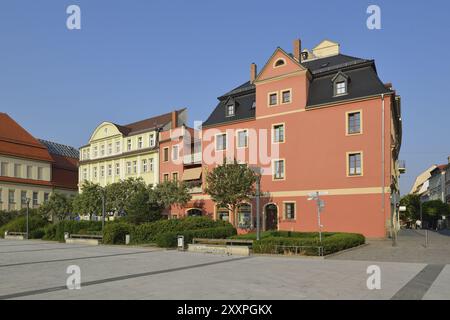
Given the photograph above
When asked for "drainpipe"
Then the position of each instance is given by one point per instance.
(383, 174)
(383, 182)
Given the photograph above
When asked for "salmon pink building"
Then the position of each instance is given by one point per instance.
(313, 120)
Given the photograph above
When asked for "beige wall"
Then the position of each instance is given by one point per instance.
(18, 188)
(11, 161)
(103, 152)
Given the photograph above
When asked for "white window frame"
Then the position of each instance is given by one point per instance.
(151, 140)
(274, 178)
(238, 132)
(175, 152)
(274, 133)
(224, 143)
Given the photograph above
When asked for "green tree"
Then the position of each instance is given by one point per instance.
(434, 210)
(412, 204)
(230, 184)
(140, 208)
(89, 201)
(170, 193)
(118, 194)
(58, 206)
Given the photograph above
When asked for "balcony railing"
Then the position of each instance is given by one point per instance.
(401, 166)
(194, 158)
(194, 186)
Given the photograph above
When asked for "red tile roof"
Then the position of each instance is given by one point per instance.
(16, 141)
(146, 124)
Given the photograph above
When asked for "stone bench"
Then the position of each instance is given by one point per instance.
(15, 235)
(221, 246)
(89, 239)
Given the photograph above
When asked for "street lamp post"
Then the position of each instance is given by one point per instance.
(320, 205)
(103, 210)
(28, 216)
(257, 171)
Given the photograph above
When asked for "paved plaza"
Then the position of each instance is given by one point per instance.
(37, 270)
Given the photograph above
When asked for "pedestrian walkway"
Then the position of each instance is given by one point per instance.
(410, 248)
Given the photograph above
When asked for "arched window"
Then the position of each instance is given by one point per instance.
(194, 212)
(280, 62)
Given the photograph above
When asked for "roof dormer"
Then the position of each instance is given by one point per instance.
(340, 84)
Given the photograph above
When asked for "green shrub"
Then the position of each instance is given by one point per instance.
(284, 234)
(20, 224)
(169, 239)
(72, 227)
(342, 241)
(148, 232)
(331, 242)
(115, 232)
(37, 233)
(49, 232)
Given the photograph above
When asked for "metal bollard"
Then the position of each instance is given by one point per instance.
(127, 239)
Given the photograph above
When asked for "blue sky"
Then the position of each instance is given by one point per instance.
(135, 59)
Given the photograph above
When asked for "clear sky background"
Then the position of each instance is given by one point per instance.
(135, 59)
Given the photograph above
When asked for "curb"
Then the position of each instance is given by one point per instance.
(346, 250)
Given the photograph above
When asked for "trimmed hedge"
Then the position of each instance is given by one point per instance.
(331, 243)
(20, 225)
(56, 231)
(169, 239)
(148, 232)
(284, 234)
(115, 232)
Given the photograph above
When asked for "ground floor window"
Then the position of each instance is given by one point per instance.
(223, 214)
(245, 216)
(194, 213)
(289, 210)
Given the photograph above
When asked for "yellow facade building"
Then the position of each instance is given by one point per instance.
(117, 152)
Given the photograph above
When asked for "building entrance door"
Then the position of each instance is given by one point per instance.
(271, 217)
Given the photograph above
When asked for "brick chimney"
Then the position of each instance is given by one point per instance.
(174, 119)
(253, 72)
(297, 49)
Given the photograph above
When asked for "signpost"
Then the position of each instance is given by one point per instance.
(320, 206)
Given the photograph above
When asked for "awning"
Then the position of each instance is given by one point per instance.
(192, 174)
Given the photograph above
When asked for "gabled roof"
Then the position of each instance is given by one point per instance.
(147, 124)
(439, 168)
(362, 72)
(284, 53)
(16, 141)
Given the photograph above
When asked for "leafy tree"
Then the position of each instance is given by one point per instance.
(170, 193)
(89, 201)
(118, 194)
(58, 206)
(230, 184)
(140, 208)
(412, 204)
(434, 210)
